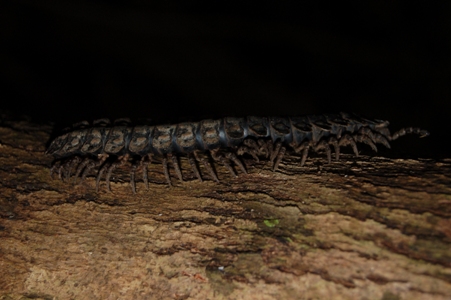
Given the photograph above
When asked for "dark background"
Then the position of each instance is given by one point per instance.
(66, 61)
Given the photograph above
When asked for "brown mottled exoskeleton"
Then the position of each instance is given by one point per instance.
(105, 147)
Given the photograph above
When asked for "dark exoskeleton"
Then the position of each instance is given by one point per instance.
(86, 148)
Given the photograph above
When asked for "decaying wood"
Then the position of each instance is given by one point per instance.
(359, 228)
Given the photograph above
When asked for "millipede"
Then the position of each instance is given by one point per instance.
(103, 146)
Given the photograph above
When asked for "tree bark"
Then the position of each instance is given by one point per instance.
(358, 228)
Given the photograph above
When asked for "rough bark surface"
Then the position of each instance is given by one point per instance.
(359, 228)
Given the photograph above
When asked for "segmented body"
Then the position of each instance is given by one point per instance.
(105, 147)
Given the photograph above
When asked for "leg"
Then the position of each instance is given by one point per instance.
(323, 145)
(108, 175)
(265, 147)
(275, 152)
(80, 168)
(249, 146)
(334, 142)
(231, 156)
(54, 167)
(219, 158)
(99, 175)
(74, 162)
(88, 168)
(365, 139)
(382, 140)
(132, 179)
(144, 164)
(120, 161)
(176, 165)
(92, 164)
(207, 166)
(166, 170)
(348, 140)
(304, 147)
(192, 162)
(279, 158)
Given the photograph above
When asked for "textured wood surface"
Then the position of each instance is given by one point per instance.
(359, 228)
